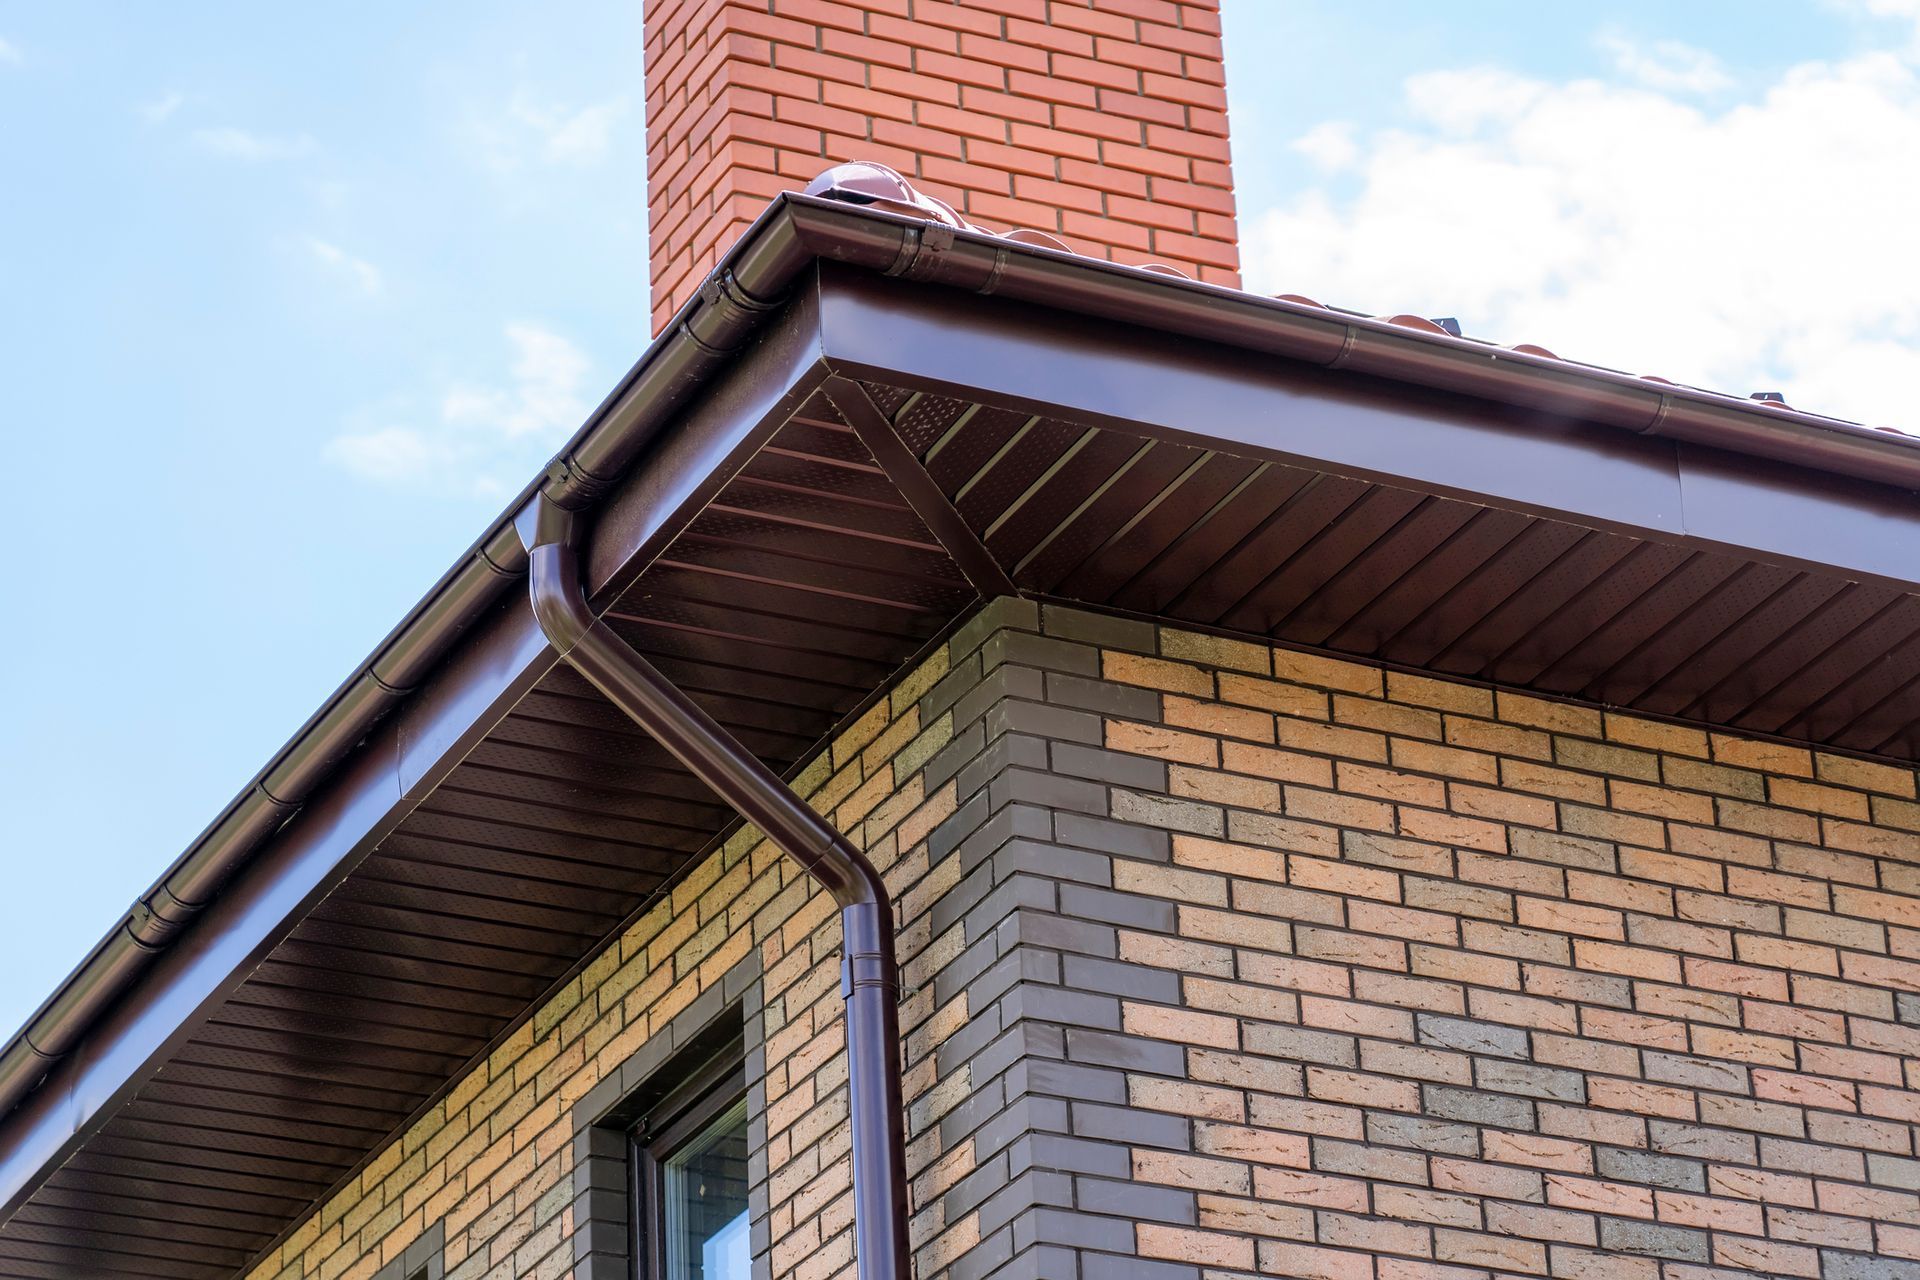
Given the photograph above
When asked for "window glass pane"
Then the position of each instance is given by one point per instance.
(705, 1195)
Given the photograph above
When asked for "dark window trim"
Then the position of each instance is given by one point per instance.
(424, 1259)
(707, 1091)
(726, 1014)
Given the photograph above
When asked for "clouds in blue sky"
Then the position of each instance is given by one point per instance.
(1670, 214)
(361, 274)
(305, 295)
(533, 130)
(233, 143)
(471, 435)
(1671, 66)
(478, 432)
(475, 425)
(158, 110)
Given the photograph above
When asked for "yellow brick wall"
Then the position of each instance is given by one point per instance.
(1471, 979)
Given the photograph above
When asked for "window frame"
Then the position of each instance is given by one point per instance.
(424, 1259)
(701, 1097)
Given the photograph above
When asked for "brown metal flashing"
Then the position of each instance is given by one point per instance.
(1315, 335)
(1198, 395)
(877, 432)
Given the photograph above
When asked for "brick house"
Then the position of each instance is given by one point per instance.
(1352, 802)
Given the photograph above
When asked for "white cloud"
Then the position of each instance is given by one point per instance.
(532, 131)
(395, 455)
(1897, 9)
(1907, 11)
(545, 396)
(1764, 245)
(363, 274)
(1666, 65)
(482, 438)
(161, 109)
(9, 54)
(1329, 145)
(239, 144)
(571, 135)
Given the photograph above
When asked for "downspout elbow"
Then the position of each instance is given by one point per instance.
(843, 871)
(869, 971)
(553, 573)
(560, 606)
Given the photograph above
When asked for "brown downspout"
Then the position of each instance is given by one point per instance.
(869, 974)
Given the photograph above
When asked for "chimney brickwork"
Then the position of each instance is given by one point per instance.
(1101, 122)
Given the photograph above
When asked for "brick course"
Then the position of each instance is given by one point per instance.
(1225, 960)
(1432, 980)
(1100, 121)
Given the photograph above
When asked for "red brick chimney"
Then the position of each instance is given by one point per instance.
(1101, 122)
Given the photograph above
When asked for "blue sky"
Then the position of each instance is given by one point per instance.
(288, 307)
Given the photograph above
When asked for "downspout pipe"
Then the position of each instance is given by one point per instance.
(869, 972)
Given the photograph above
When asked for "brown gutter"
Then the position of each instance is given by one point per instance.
(869, 973)
(701, 339)
(1316, 335)
(744, 289)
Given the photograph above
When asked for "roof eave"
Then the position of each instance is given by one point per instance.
(711, 332)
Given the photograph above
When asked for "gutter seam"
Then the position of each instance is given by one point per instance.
(1659, 417)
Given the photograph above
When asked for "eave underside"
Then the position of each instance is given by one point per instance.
(794, 591)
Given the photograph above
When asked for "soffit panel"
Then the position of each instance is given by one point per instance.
(1106, 517)
(798, 591)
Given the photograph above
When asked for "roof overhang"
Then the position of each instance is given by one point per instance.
(1118, 368)
(900, 418)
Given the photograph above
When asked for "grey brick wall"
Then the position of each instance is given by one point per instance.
(1280, 964)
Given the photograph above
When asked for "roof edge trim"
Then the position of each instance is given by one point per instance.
(1302, 331)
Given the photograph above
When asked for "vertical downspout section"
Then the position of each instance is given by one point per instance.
(869, 974)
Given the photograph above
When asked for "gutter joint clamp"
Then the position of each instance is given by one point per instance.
(1346, 348)
(568, 484)
(1659, 417)
(920, 247)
